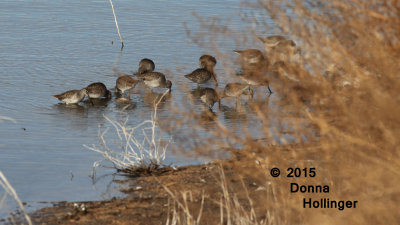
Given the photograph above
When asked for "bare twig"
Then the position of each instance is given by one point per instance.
(133, 153)
(10, 191)
(116, 23)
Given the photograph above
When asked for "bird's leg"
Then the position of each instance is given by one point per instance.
(91, 101)
(270, 92)
(130, 93)
(236, 102)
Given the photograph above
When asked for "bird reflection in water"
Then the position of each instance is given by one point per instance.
(235, 114)
(124, 103)
(97, 102)
(73, 115)
(208, 116)
(150, 98)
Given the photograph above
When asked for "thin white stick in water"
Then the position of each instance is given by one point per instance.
(10, 190)
(7, 118)
(116, 23)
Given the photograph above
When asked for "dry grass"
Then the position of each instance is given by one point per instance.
(336, 110)
(129, 153)
(9, 191)
(232, 209)
(341, 110)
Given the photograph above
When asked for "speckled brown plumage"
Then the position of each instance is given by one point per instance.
(98, 90)
(155, 80)
(125, 82)
(206, 72)
(72, 96)
(146, 65)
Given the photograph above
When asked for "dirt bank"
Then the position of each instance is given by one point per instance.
(149, 202)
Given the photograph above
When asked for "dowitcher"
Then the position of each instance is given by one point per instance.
(98, 90)
(253, 78)
(146, 65)
(206, 72)
(271, 41)
(73, 96)
(209, 96)
(207, 60)
(252, 59)
(283, 50)
(125, 82)
(286, 46)
(235, 90)
(155, 80)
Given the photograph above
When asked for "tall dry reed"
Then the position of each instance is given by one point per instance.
(339, 103)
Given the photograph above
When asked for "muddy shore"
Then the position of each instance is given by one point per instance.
(153, 198)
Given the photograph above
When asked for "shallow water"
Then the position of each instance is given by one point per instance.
(48, 47)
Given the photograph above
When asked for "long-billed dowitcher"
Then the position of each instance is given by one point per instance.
(206, 72)
(254, 78)
(209, 96)
(125, 82)
(146, 65)
(252, 59)
(235, 90)
(271, 41)
(155, 80)
(73, 96)
(207, 60)
(282, 50)
(98, 90)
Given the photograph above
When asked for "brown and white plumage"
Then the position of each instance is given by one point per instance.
(125, 82)
(272, 41)
(207, 60)
(146, 65)
(254, 78)
(235, 90)
(155, 80)
(98, 90)
(282, 50)
(206, 72)
(209, 96)
(72, 96)
(200, 76)
(252, 59)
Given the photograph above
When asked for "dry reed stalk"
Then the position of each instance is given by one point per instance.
(11, 191)
(116, 24)
(134, 153)
(2, 118)
(341, 108)
(185, 216)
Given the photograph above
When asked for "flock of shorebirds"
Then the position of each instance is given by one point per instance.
(253, 62)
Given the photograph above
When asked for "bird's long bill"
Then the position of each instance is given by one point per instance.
(237, 51)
